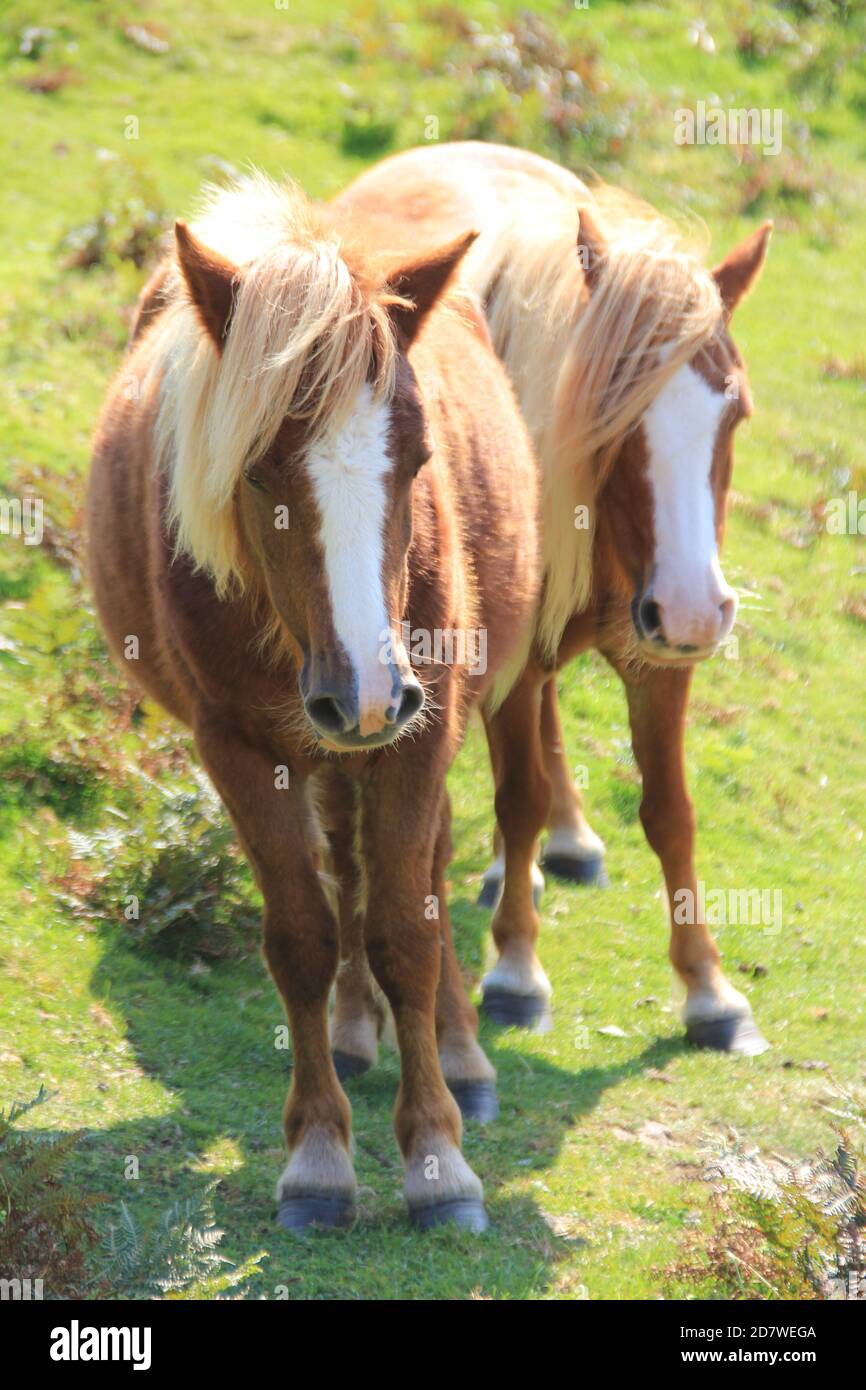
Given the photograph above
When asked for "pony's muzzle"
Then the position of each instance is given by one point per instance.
(683, 630)
(339, 719)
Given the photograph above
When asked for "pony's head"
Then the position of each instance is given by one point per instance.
(655, 357)
(294, 428)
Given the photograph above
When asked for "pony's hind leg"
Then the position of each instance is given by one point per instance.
(517, 991)
(404, 950)
(358, 1015)
(470, 1077)
(572, 850)
(300, 947)
(492, 883)
(716, 1015)
(490, 893)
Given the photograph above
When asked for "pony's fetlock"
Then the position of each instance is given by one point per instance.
(438, 1176)
(319, 1164)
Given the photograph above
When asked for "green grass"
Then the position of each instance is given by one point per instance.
(175, 1065)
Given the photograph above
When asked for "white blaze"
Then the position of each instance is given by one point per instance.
(349, 470)
(688, 585)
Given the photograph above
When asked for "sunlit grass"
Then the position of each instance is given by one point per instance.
(176, 1064)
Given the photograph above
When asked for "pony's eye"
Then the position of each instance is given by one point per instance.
(425, 458)
(255, 482)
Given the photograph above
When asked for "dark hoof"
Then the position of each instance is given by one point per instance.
(588, 872)
(477, 1100)
(346, 1064)
(739, 1033)
(491, 890)
(517, 1010)
(466, 1212)
(303, 1210)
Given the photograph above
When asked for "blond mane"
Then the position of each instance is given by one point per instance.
(306, 332)
(586, 366)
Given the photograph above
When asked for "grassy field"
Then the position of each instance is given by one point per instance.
(159, 1043)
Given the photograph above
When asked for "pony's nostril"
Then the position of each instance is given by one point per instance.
(328, 714)
(728, 610)
(651, 618)
(411, 700)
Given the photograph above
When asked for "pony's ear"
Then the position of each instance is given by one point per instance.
(591, 248)
(737, 273)
(423, 281)
(210, 279)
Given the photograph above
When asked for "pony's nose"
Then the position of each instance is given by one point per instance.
(409, 702)
(406, 700)
(687, 627)
(342, 718)
(650, 616)
(331, 714)
(728, 610)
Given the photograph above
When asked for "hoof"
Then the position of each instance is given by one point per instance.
(346, 1064)
(299, 1212)
(477, 1099)
(466, 1212)
(491, 892)
(737, 1033)
(588, 872)
(517, 1010)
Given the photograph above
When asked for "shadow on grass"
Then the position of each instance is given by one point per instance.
(209, 1040)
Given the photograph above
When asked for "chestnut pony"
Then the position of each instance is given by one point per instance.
(617, 341)
(304, 450)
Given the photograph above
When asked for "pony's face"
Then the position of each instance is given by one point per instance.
(668, 489)
(325, 509)
(330, 522)
(668, 497)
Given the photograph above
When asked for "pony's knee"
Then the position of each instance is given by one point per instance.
(405, 963)
(301, 961)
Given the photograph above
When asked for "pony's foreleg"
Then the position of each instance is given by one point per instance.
(516, 990)
(572, 851)
(470, 1077)
(358, 1015)
(300, 947)
(404, 949)
(715, 1014)
(359, 1012)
